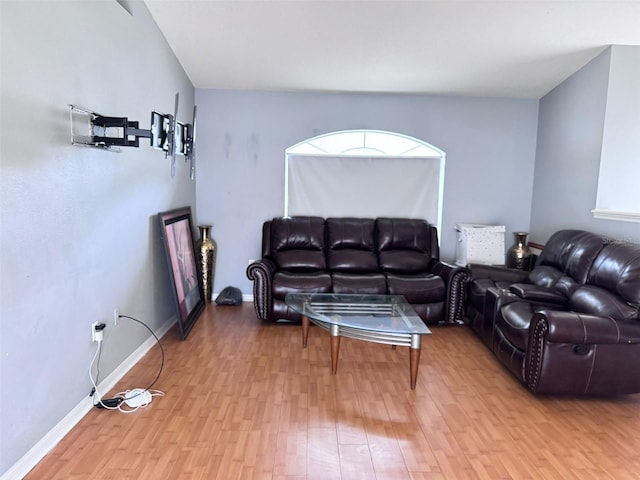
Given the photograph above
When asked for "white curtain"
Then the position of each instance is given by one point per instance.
(330, 186)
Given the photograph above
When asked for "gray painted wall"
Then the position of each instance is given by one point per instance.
(570, 136)
(242, 136)
(78, 232)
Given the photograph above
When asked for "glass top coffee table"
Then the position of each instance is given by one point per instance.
(386, 319)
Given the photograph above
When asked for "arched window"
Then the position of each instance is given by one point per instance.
(365, 173)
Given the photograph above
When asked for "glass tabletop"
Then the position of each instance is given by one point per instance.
(381, 313)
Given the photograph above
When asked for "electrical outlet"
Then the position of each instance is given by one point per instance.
(116, 315)
(96, 335)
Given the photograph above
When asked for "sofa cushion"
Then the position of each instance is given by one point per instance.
(367, 284)
(404, 234)
(404, 261)
(617, 269)
(545, 276)
(550, 277)
(423, 288)
(290, 282)
(571, 252)
(513, 322)
(599, 301)
(404, 245)
(298, 243)
(355, 261)
(300, 260)
(351, 244)
(355, 233)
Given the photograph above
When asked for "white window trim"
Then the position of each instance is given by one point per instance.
(438, 155)
(615, 215)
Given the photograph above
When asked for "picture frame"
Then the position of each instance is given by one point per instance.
(176, 230)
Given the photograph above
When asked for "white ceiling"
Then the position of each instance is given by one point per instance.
(512, 48)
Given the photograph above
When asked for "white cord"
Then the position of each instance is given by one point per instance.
(96, 394)
(123, 395)
(153, 393)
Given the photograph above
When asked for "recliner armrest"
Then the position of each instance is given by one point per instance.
(455, 279)
(495, 299)
(446, 270)
(570, 352)
(581, 329)
(261, 272)
(498, 273)
(535, 293)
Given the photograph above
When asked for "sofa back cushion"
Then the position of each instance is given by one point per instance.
(613, 284)
(594, 300)
(550, 277)
(617, 269)
(571, 253)
(405, 245)
(298, 243)
(545, 276)
(351, 245)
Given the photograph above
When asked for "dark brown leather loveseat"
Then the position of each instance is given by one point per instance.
(572, 324)
(392, 256)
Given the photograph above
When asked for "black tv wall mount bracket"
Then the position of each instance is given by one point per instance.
(91, 129)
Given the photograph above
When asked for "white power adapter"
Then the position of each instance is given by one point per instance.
(138, 397)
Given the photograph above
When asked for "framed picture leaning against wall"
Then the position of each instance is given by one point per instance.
(177, 237)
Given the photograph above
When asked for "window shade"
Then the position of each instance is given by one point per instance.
(343, 186)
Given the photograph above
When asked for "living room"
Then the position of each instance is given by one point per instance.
(79, 228)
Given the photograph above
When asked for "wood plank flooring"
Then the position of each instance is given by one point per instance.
(244, 400)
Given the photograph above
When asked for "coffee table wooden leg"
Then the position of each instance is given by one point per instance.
(414, 362)
(414, 359)
(335, 348)
(305, 331)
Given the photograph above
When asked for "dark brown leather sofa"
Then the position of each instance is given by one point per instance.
(392, 256)
(572, 324)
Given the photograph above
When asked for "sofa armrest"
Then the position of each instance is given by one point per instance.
(581, 329)
(455, 279)
(261, 273)
(572, 352)
(538, 294)
(498, 273)
(495, 299)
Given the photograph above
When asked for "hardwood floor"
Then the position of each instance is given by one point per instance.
(245, 400)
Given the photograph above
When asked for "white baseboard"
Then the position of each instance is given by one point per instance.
(23, 466)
